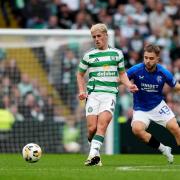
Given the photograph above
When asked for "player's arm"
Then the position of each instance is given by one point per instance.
(171, 81)
(81, 85)
(177, 88)
(125, 80)
(83, 66)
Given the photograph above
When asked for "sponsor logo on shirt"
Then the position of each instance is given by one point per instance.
(106, 74)
(106, 67)
(113, 58)
(149, 87)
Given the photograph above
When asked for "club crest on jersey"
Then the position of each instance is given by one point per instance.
(90, 109)
(159, 78)
(113, 58)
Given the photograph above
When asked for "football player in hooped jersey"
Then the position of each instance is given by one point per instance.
(149, 105)
(104, 65)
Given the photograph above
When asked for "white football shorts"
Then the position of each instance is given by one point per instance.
(161, 114)
(98, 102)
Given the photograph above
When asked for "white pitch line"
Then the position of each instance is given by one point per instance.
(150, 168)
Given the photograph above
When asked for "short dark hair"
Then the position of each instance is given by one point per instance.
(152, 48)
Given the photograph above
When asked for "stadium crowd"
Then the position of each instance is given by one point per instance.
(23, 96)
(135, 22)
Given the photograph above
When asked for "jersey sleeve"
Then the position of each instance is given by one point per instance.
(83, 65)
(121, 66)
(170, 80)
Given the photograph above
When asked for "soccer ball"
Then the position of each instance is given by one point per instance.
(31, 152)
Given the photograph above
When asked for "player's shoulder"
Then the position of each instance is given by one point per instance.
(162, 69)
(134, 70)
(137, 67)
(119, 51)
(90, 51)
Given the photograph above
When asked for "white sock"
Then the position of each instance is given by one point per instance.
(161, 147)
(95, 147)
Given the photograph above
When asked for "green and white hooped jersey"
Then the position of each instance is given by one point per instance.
(103, 67)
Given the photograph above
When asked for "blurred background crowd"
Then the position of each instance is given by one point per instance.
(135, 22)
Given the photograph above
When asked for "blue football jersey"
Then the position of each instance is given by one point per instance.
(150, 85)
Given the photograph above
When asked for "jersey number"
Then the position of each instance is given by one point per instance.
(164, 110)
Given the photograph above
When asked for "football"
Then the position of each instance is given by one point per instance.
(31, 152)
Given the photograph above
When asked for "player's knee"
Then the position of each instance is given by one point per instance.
(92, 129)
(138, 131)
(174, 129)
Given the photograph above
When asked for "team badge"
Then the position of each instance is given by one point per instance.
(159, 79)
(113, 58)
(90, 109)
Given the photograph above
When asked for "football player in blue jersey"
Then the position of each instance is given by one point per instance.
(150, 78)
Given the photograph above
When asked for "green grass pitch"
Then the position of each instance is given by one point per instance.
(70, 167)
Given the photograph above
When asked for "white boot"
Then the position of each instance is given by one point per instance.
(167, 153)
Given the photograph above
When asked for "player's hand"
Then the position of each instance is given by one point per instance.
(83, 95)
(133, 88)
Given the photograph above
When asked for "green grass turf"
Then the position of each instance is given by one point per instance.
(62, 167)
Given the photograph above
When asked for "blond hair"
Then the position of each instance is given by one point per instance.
(99, 27)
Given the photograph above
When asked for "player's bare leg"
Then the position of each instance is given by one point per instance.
(174, 128)
(91, 126)
(103, 121)
(139, 129)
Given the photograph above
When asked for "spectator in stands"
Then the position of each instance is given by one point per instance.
(119, 17)
(48, 108)
(36, 88)
(6, 122)
(27, 106)
(37, 114)
(43, 95)
(157, 17)
(171, 7)
(16, 95)
(6, 86)
(6, 102)
(112, 7)
(25, 85)
(18, 9)
(37, 13)
(67, 84)
(65, 16)
(17, 116)
(71, 135)
(53, 22)
(80, 21)
(73, 4)
(128, 29)
(2, 54)
(130, 7)
(13, 72)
